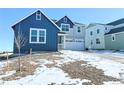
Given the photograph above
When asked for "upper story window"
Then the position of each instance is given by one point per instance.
(97, 41)
(65, 19)
(38, 15)
(79, 29)
(98, 31)
(37, 35)
(65, 27)
(91, 33)
(113, 37)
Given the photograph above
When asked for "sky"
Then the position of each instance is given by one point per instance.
(9, 16)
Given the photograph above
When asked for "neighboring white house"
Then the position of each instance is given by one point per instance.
(74, 39)
(94, 36)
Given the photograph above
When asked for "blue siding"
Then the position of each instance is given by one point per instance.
(44, 23)
(62, 21)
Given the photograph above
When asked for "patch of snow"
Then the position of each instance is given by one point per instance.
(112, 83)
(110, 68)
(45, 76)
(33, 63)
(9, 73)
(44, 61)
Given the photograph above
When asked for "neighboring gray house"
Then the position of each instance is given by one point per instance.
(114, 39)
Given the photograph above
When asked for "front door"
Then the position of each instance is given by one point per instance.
(60, 42)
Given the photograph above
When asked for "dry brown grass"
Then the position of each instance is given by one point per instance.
(48, 56)
(75, 70)
(26, 69)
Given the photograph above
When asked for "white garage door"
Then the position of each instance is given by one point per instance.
(77, 44)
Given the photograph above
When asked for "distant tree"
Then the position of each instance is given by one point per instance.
(20, 42)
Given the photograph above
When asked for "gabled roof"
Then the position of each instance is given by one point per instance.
(54, 20)
(117, 22)
(32, 14)
(115, 30)
(94, 24)
(79, 23)
(66, 17)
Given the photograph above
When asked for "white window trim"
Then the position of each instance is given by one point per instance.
(37, 36)
(65, 24)
(38, 15)
(113, 35)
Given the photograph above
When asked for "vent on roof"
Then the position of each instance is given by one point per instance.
(65, 19)
(38, 15)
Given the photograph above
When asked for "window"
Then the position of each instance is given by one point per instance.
(65, 19)
(91, 42)
(79, 29)
(34, 36)
(41, 36)
(113, 37)
(97, 41)
(105, 28)
(91, 33)
(98, 31)
(65, 27)
(38, 15)
(37, 35)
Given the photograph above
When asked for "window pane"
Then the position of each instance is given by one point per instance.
(65, 27)
(97, 41)
(97, 31)
(33, 32)
(33, 39)
(79, 29)
(91, 33)
(41, 39)
(41, 33)
(39, 17)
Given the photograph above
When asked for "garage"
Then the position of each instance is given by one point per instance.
(77, 44)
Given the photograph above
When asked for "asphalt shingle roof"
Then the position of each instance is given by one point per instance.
(117, 22)
(116, 30)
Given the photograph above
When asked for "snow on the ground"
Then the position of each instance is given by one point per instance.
(110, 67)
(8, 74)
(44, 61)
(112, 83)
(109, 52)
(5, 54)
(45, 76)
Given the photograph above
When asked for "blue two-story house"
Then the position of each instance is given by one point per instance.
(43, 34)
